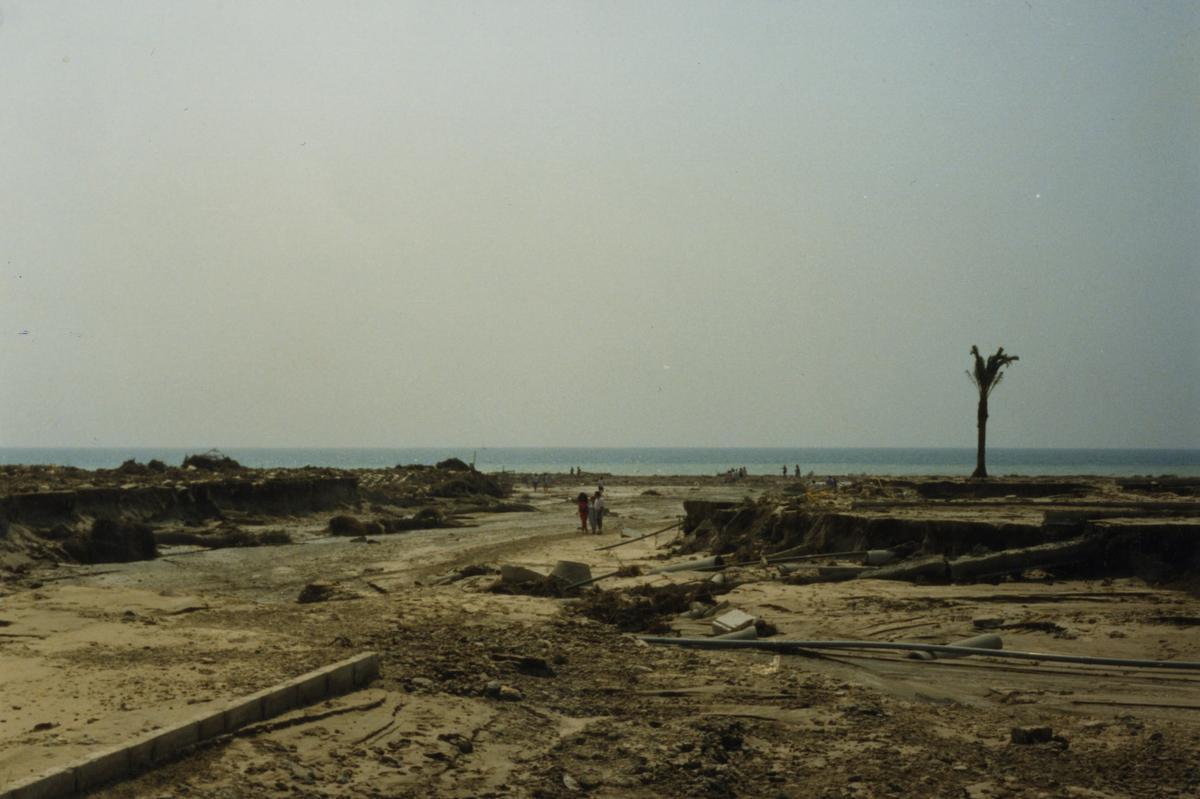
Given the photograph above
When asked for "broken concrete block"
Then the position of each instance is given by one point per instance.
(569, 572)
(141, 751)
(280, 700)
(102, 767)
(747, 633)
(211, 725)
(366, 669)
(731, 622)
(240, 712)
(985, 641)
(1031, 735)
(340, 678)
(312, 687)
(49, 785)
(175, 739)
(515, 575)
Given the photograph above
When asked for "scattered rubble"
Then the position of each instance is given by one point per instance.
(211, 461)
(63, 514)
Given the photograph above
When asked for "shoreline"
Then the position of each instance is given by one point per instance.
(667, 462)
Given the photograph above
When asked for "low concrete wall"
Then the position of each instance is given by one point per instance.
(163, 744)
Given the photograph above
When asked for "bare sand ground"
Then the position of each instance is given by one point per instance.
(93, 656)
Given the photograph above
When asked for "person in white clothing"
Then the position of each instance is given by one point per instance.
(598, 503)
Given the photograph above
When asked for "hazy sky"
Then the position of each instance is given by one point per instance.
(643, 223)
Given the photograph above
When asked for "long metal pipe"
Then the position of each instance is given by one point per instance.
(786, 554)
(773, 645)
(701, 565)
(639, 538)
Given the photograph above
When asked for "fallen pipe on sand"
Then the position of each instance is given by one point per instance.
(787, 555)
(747, 633)
(985, 641)
(639, 538)
(591, 580)
(701, 565)
(773, 645)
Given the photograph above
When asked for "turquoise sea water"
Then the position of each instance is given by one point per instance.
(664, 460)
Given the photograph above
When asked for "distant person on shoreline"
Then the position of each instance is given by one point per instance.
(582, 504)
(784, 470)
(797, 472)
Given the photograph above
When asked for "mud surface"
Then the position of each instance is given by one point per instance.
(506, 694)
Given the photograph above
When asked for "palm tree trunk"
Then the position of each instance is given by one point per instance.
(981, 424)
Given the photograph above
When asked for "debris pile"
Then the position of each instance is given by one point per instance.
(647, 608)
(961, 538)
(111, 541)
(223, 536)
(211, 461)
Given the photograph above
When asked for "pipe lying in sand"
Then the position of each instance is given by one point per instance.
(639, 538)
(773, 645)
(985, 641)
(701, 565)
(747, 633)
(786, 554)
(591, 580)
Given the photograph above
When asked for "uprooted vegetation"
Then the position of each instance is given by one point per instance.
(424, 519)
(224, 536)
(409, 486)
(647, 608)
(211, 461)
(65, 514)
(973, 532)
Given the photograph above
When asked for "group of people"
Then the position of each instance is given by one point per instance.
(741, 472)
(591, 510)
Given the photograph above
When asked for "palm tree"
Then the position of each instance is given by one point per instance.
(986, 377)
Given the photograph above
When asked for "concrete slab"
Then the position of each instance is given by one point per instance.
(240, 712)
(340, 678)
(141, 750)
(211, 724)
(174, 740)
(102, 767)
(366, 668)
(312, 687)
(731, 622)
(280, 700)
(114, 763)
(48, 785)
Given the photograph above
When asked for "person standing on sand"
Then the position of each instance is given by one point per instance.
(592, 511)
(598, 506)
(581, 503)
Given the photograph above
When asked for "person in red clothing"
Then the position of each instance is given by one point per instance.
(582, 502)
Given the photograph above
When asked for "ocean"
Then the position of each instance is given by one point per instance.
(669, 460)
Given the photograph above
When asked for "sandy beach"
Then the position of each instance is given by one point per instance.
(514, 687)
